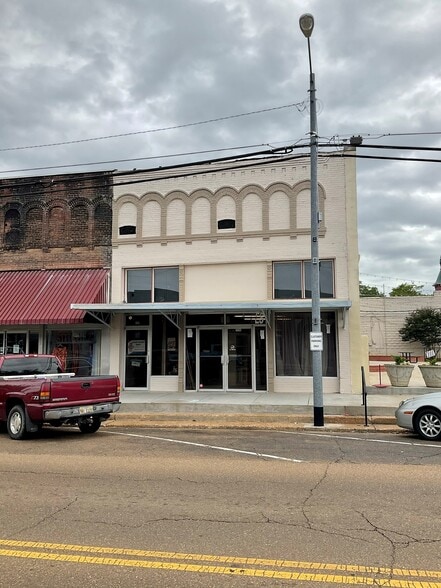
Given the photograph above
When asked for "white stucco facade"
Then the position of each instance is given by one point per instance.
(222, 272)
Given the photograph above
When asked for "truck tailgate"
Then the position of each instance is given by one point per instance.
(84, 390)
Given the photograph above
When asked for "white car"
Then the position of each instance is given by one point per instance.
(421, 414)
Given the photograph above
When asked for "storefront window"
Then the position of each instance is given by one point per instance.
(33, 342)
(78, 351)
(164, 347)
(293, 355)
(22, 342)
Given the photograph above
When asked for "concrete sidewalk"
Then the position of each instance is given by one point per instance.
(261, 410)
(380, 402)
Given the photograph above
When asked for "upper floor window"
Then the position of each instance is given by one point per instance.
(160, 284)
(127, 230)
(226, 223)
(292, 279)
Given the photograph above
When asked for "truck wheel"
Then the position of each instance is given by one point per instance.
(16, 423)
(89, 424)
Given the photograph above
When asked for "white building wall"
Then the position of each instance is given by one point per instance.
(270, 205)
(383, 317)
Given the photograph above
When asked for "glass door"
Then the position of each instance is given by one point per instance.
(136, 373)
(225, 359)
(240, 364)
(211, 359)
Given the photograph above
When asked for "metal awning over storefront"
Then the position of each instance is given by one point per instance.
(45, 296)
(172, 310)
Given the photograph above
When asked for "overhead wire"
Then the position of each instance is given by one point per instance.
(132, 159)
(153, 173)
(297, 105)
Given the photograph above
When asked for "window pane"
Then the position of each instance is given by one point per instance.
(139, 288)
(164, 347)
(287, 280)
(326, 279)
(293, 356)
(167, 284)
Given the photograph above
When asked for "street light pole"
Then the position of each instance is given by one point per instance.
(306, 22)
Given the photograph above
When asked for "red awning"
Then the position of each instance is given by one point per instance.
(44, 296)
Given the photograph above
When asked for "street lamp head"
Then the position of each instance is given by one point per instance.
(306, 22)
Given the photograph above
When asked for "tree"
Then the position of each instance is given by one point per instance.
(406, 289)
(368, 291)
(423, 326)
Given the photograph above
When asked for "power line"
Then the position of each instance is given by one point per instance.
(185, 154)
(153, 172)
(297, 105)
(380, 157)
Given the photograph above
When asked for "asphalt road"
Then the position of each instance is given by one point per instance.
(165, 508)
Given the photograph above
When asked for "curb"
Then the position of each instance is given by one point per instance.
(250, 422)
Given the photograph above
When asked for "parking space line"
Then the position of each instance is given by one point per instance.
(366, 439)
(207, 446)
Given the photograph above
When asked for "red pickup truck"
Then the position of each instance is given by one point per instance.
(34, 390)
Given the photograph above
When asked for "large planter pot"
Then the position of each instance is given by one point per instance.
(431, 375)
(399, 375)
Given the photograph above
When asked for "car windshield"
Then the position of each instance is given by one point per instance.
(26, 366)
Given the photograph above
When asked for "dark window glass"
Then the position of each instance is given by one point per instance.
(127, 230)
(293, 355)
(136, 320)
(164, 347)
(190, 359)
(167, 284)
(226, 223)
(288, 280)
(260, 358)
(33, 343)
(205, 319)
(26, 366)
(326, 279)
(139, 285)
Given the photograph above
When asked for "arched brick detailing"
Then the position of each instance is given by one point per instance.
(80, 219)
(151, 219)
(34, 221)
(200, 211)
(252, 213)
(128, 215)
(175, 217)
(58, 226)
(58, 220)
(201, 216)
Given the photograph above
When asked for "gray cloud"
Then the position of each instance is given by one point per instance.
(75, 70)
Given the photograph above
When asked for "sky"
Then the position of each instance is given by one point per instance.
(147, 70)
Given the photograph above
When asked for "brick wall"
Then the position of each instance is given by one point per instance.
(383, 317)
(56, 222)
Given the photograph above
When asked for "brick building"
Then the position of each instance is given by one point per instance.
(55, 249)
(211, 279)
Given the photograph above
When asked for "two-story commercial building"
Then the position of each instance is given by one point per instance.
(211, 274)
